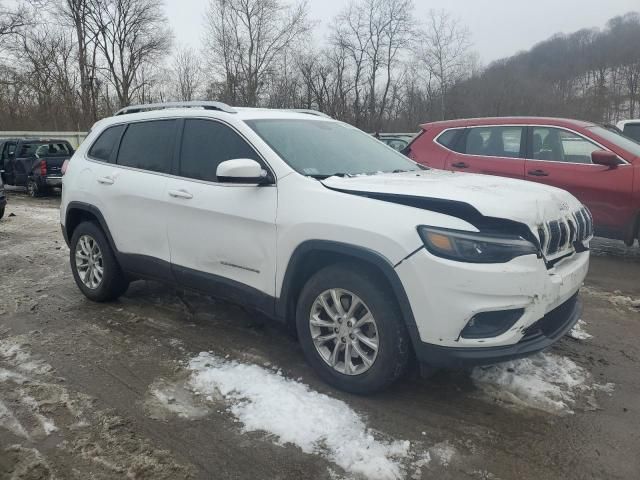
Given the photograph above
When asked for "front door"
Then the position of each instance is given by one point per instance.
(562, 158)
(222, 235)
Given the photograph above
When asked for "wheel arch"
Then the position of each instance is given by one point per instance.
(312, 255)
(78, 212)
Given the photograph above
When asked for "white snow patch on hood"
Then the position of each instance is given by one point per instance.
(545, 381)
(578, 332)
(263, 400)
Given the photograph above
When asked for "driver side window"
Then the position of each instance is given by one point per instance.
(558, 145)
(206, 144)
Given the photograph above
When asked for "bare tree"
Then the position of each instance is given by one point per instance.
(13, 20)
(247, 40)
(76, 14)
(129, 35)
(444, 51)
(187, 73)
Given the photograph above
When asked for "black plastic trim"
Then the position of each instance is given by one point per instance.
(144, 266)
(86, 207)
(225, 288)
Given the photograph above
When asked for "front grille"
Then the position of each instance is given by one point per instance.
(558, 236)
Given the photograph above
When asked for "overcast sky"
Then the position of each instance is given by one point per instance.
(499, 28)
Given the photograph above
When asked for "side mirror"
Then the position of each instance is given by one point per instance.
(606, 158)
(242, 170)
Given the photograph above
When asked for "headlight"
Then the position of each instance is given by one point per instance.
(473, 247)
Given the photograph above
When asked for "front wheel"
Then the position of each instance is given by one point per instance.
(94, 265)
(351, 330)
(2, 212)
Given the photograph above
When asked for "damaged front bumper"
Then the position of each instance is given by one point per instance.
(446, 296)
(538, 337)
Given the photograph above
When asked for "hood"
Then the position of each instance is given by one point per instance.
(465, 195)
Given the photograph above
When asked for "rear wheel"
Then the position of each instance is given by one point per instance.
(351, 330)
(32, 189)
(2, 212)
(94, 265)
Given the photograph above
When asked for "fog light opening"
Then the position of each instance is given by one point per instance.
(491, 324)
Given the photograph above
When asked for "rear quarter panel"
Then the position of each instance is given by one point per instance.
(426, 151)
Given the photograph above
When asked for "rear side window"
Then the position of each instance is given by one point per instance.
(44, 149)
(205, 144)
(106, 143)
(148, 145)
(494, 141)
(632, 130)
(450, 139)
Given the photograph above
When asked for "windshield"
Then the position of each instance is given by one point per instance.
(321, 149)
(621, 141)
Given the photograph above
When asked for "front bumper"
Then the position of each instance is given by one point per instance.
(445, 295)
(538, 337)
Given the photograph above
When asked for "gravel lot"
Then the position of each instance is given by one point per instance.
(169, 385)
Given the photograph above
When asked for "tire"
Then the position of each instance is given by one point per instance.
(2, 212)
(392, 357)
(113, 282)
(32, 189)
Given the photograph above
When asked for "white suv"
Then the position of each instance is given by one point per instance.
(372, 258)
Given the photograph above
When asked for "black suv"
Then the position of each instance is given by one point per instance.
(34, 163)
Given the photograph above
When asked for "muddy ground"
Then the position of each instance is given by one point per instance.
(91, 391)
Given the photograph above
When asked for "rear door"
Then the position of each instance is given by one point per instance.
(491, 150)
(562, 158)
(131, 189)
(222, 235)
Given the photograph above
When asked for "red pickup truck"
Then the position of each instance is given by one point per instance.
(596, 164)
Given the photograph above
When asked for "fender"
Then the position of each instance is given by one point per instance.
(93, 210)
(285, 304)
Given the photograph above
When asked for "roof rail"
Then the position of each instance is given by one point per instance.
(223, 107)
(308, 111)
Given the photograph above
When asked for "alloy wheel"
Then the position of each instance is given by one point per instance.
(89, 262)
(344, 331)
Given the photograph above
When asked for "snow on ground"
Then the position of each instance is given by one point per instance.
(545, 381)
(13, 351)
(9, 422)
(578, 332)
(264, 400)
(616, 298)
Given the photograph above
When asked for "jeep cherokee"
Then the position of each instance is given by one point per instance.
(373, 259)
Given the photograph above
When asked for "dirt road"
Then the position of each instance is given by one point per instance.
(124, 390)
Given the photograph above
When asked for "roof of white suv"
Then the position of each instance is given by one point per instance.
(241, 114)
(215, 109)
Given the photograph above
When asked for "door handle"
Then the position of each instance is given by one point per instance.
(180, 194)
(106, 180)
(460, 165)
(538, 173)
